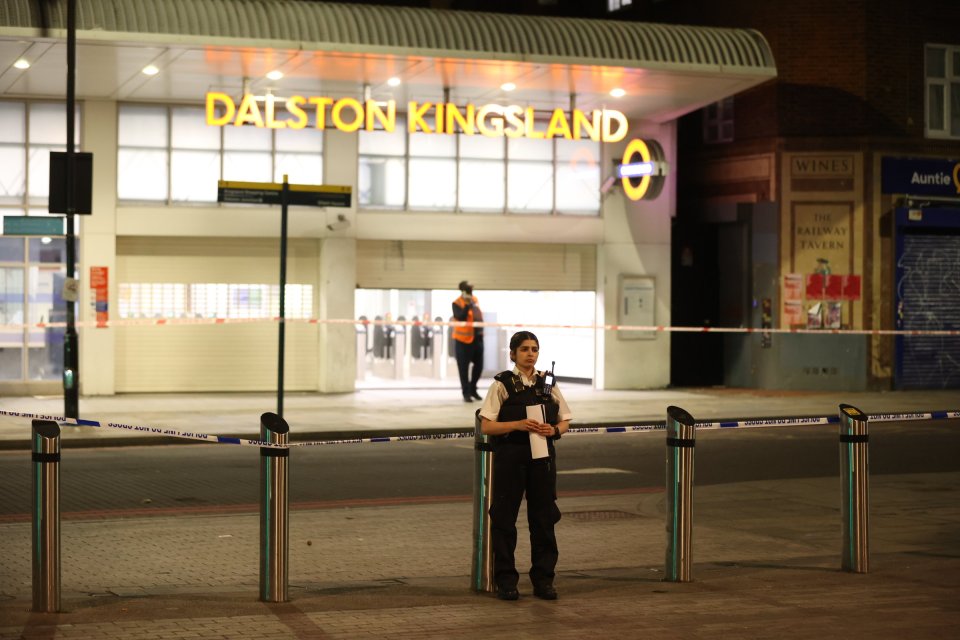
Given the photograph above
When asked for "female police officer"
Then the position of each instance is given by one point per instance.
(516, 471)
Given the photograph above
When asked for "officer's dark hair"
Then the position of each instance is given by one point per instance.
(518, 339)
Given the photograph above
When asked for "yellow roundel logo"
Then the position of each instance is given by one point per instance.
(642, 169)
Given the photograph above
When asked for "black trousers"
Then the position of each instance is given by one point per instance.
(466, 355)
(515, 473)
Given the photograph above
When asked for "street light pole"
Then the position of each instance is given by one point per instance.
(71, 347)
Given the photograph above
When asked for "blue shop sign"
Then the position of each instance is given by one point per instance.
(920, 176)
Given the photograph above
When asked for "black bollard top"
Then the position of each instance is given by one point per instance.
(680, 416)
(274, 423)
(852, 412)
(46, 428)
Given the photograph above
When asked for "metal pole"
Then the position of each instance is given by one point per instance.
(46, 516)
(855, 489)
(274, 509)
(284, 196)
(681, 438)
(71, 346)
(481, 572)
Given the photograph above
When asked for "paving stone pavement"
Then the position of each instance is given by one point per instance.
(766, 565)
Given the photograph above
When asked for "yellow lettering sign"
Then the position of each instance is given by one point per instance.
(336, 115)
(248, 112)
(294, 105)
(350, 115)
(415, 116)
(229, 109)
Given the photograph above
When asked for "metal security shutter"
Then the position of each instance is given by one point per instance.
(928, 287)
(385, 264)
(226, 357)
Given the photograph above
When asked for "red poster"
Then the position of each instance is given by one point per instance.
(834, 287)
(851, 287)
(99, 294)
(815, 286)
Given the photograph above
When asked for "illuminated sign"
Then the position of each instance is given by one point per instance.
(642, 169)
(349, 115)
(920, 176)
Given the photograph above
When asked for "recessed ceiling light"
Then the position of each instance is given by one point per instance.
(150, 70)
(275, 74)
(21, 64)
(508, 86)
(394, 81)
(618, 92)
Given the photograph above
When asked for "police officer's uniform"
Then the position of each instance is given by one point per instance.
(515, 472)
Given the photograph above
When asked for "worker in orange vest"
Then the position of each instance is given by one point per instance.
(468, 341)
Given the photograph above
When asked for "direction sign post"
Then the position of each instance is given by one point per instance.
(284, 194)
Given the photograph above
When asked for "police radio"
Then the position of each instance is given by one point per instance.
(548, 379)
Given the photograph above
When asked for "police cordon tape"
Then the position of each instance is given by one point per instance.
(640, 427)
(147, 322)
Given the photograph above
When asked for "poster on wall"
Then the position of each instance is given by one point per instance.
(793, 286)
(793, 313)
(99, 300)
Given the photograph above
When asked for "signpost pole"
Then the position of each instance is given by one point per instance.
(284, 198)
(71, 359)
(284, 194)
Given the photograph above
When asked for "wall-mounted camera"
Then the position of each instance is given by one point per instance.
(340, 224)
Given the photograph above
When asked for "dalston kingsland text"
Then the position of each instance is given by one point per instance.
(349, 114)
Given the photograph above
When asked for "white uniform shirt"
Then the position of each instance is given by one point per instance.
(497, 394)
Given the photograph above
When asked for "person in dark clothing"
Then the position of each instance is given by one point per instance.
(516, 470)
(468, 341)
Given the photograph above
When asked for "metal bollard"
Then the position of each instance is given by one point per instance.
(274, 509)
(855, 489)
(481, 572)
(681, 434)
(46, 516)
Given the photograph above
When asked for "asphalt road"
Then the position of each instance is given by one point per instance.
(125, 481)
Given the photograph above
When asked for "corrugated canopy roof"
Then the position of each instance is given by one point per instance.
(353, 50)
(318, 25)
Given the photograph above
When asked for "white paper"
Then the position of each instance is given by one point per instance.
(538, 443)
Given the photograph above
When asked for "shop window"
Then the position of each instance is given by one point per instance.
(530, 180)
(578, 177)
(942, 73)
(482, 173)
(213, 300)
(433, 171)
(170, 155)
(421, 171)
(29, 131)
(32, 275)
(382, 175)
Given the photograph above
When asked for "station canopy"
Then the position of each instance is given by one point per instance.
(341, 50)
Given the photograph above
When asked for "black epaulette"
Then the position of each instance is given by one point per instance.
(510, 381)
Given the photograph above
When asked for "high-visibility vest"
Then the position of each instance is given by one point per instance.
(464, 333)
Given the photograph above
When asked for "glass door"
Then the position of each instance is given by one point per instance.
(32, 272)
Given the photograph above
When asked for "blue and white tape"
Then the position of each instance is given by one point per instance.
(645, 427)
